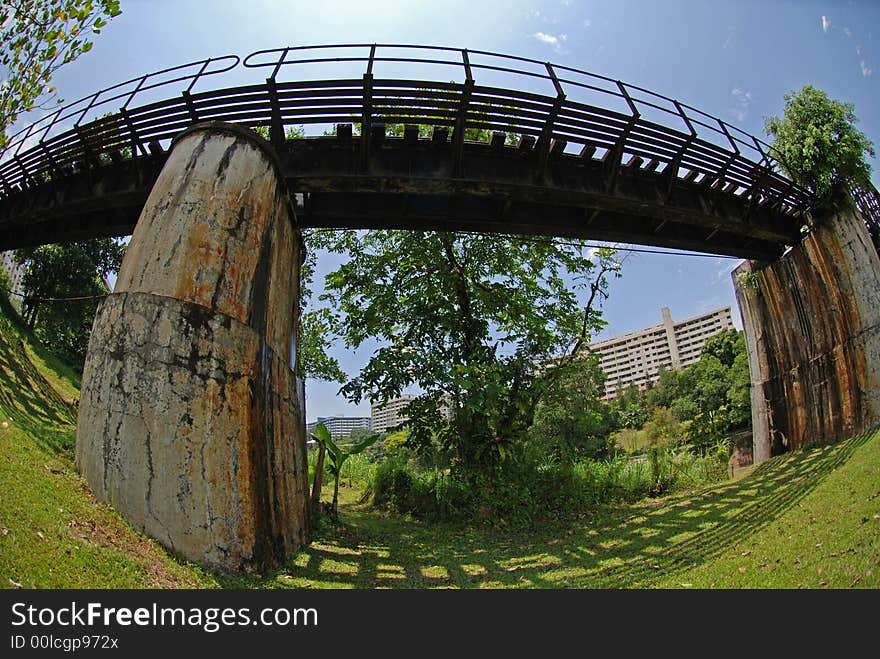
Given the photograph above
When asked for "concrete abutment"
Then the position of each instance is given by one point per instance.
(812, 326)
(192, 420)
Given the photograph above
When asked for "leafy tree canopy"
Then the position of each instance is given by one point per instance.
(817, 142)
(70, 270)
(39, 37)
(725, 346)
(467, 318)
(571, 419)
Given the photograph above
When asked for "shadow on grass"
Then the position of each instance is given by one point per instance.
(28, 399)
(629, 547)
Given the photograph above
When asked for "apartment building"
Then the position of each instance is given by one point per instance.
(637, 357)
(390, 414)
(16, 275)
(340, 426)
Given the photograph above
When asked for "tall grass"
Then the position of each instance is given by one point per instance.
(544, 487)
(357, 469)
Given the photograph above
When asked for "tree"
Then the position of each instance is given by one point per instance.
(739, 395)
(39, 37)
(466, 318)
(571, 419)
(725, 346)
(817, 142)
(337, 459)
(70, 270)
(662, 428)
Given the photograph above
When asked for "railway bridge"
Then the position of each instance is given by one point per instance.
(192, 414)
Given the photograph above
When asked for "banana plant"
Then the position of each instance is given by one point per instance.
(338, 457)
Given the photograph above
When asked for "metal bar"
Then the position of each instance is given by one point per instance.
(543, 150)
(466, 62)
(198, 75)
(684, 116)
(276, 129)
(134, 93)
(367, 116)
(280, 62)
(629, 101)
(729, 137)
(556, 83)
(89, 107)
(371, 60)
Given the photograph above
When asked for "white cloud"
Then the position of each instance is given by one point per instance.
(587, 22)
(847, 31)
(863, 63)
(722, 273)
(826, 24)
(742, 101)
(551, 40)
(727, 41)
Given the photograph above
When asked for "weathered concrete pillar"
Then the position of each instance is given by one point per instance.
(191, 419)
(812, 326)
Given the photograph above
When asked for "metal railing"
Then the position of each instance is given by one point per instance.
(645, 128)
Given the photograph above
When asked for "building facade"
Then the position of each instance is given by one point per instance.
(15, 271)
(340, 426)
(637, 358)
(389, 414)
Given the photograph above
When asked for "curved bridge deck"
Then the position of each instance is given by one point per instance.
(593, 158)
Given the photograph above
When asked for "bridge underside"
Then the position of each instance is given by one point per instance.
(413, 183)
(192, 417)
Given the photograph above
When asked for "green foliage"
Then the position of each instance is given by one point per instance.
(662, 428)
(570, 420)
(431, 495)
(465, 318)
(725, 346)
(395, 442)
(69, 270)
(314, 346)
(750, 282)
(339, 456)
(631, 407)
(701, 403)
(537, 488)
(817, 142)
(38, 38)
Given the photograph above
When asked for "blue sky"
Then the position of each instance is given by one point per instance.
(734, 60)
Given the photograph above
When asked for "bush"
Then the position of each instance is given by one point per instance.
(532, 488)
(432, 495)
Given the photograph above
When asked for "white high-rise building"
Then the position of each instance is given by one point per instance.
(340, 426)
(15, 272)
(636, 358)
(389, 414)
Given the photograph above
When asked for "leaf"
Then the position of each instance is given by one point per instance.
(15, 584)
(322, 434)
(366, 443)
(335, 453)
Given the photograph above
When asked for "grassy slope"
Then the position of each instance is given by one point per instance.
(808, 510)
(776, 527)
(53, 534)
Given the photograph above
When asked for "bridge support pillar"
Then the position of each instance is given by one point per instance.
(812, 326)
(191, 419)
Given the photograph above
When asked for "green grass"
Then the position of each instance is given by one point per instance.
(826, 496)
(53, 534)
(776, 527)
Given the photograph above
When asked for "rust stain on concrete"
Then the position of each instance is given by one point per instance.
(815, 314)
(191, 420)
